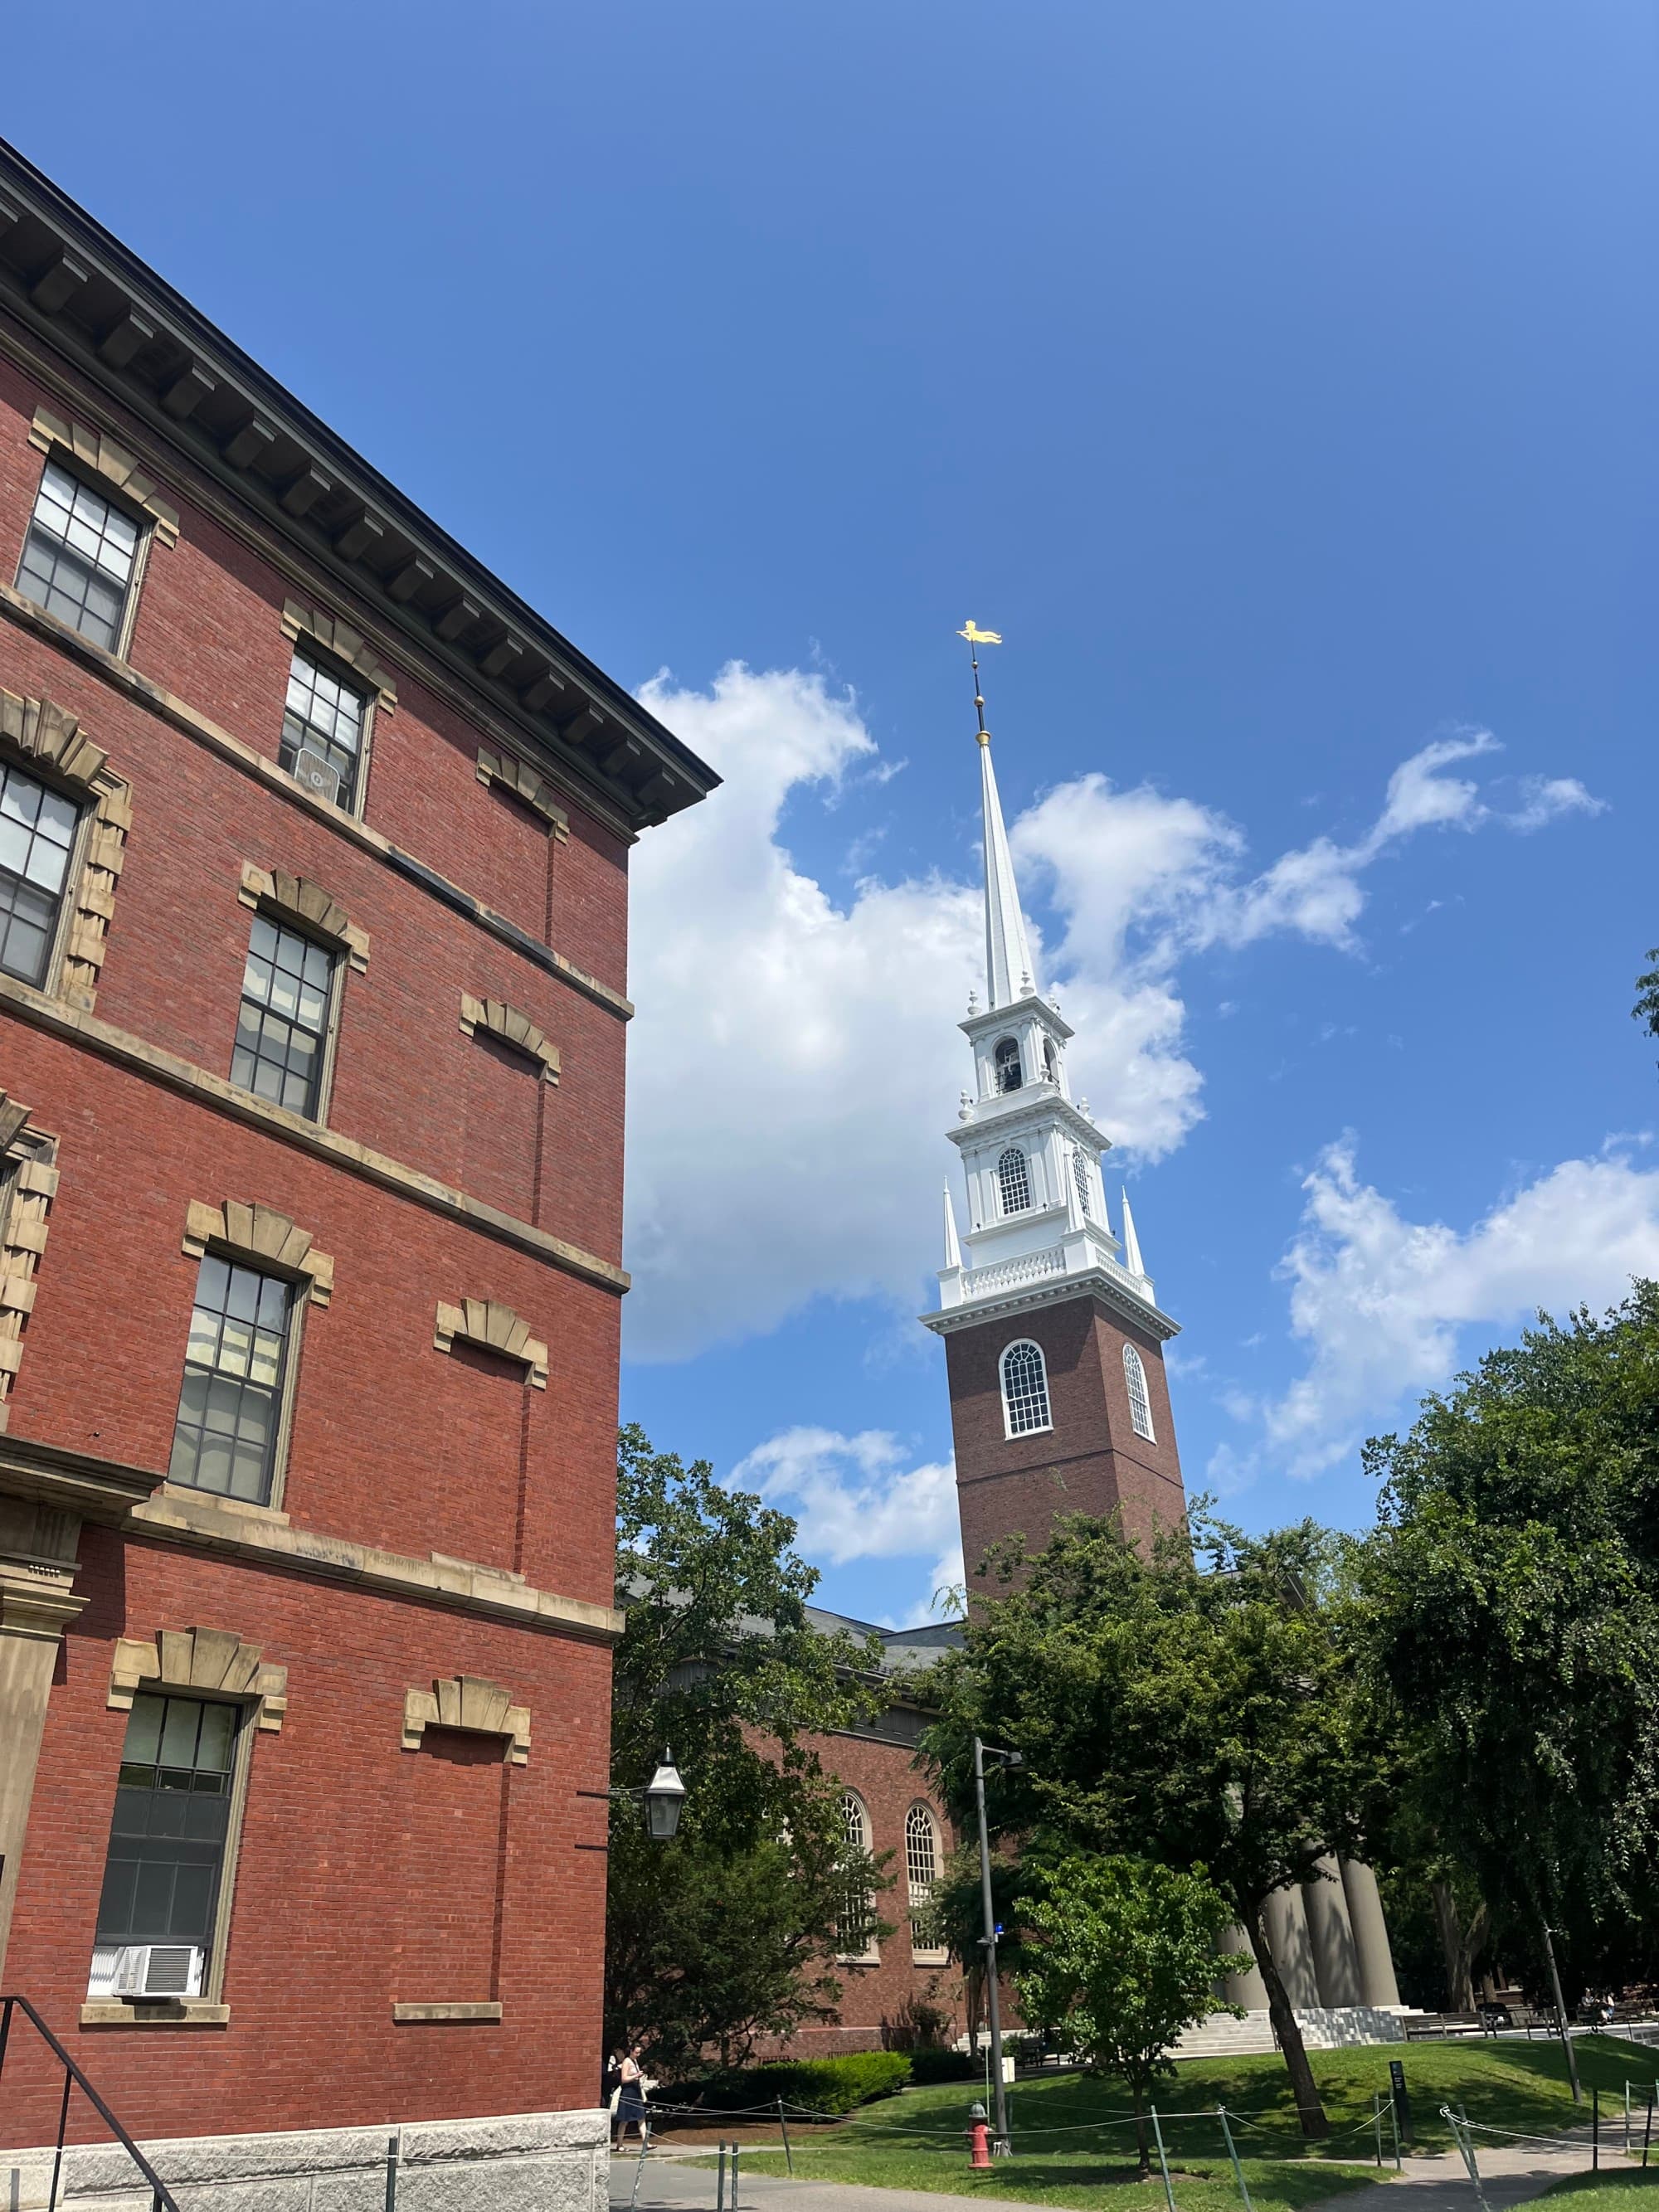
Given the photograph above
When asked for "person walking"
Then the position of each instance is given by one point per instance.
(631, 2110)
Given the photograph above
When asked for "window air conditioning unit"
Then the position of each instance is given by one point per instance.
(147, 1970)
(317, 776)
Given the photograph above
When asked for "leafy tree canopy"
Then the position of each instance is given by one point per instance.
(729, 1933)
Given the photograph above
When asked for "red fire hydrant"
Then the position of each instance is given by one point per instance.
(979, 2136)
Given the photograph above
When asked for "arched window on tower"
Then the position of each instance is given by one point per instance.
(1024, 1390)
(1005, 1060)
(855, 1925)
(1080, 1177)
(1050, 1061)
(1140, 1406)
(1014, 1180)
(921, 1857)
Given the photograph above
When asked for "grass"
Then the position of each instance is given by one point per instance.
(1609, 2193)
(916, 2141)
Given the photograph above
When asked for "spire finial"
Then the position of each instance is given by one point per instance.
(977, 637)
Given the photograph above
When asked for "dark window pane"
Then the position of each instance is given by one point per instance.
(283, 1018)
(37, 838)
(78, 556)
(224, 1438)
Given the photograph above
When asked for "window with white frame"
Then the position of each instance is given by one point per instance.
(1024, 1388)
(855, 1934)
(921, 1857)
(37, 840)
(1080, 1177)
(283, 1026)
(231, 1400)
(1014, 1180)
(327, 718)
(79, 557)
(1005, 1060)
(1140, 1406)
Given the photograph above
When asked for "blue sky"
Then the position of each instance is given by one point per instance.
(1278, 379)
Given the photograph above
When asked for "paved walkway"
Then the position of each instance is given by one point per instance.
(1509, 2177)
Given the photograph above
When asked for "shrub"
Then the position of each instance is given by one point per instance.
(936, 2065)
(829, 2086)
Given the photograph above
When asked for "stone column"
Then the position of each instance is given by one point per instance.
(37, 1566)
(1336, 1957)
(1370, 1934)
(1246, 1989)
(1292, 1948)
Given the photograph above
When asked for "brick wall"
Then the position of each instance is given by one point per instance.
(1092, 1461)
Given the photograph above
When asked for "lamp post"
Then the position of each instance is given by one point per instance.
(988, 1940)
(1561, 2019)
(662, 1800)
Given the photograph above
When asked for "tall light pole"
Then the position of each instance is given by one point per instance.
(1561, 2019)
(988, 1940)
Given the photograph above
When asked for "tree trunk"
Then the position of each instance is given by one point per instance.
(1141, 2132)
(1309, 2110)
(1460, 1946)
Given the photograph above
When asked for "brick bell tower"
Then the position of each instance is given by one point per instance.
(1054, 1340)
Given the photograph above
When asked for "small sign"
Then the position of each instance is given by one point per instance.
(1402, 2103)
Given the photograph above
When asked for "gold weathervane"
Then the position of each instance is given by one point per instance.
(977, 637)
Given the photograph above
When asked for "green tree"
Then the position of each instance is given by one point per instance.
(1508, 1612)
(1646, 1009)
(730, 1932)
(1170, 1714)
(1122, 1955)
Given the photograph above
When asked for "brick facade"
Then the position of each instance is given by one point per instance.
(437, 1512)
(1092, 1461)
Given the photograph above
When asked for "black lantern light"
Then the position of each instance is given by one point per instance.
(665, 1797)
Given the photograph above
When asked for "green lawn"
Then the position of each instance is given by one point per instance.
(1619, 2191)
(1065, 2154)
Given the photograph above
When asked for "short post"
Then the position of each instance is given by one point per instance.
(1595, 2130)
(639, 2169)
(1232, 2152)
(1647, 2131)
(1627, 2116)
(1376, 2122)
(720, 2180)
(1157, 2131)
(1393, 2115)
(1402, 2103)
(391, 2150)
(783, 2130)
(735, 2149)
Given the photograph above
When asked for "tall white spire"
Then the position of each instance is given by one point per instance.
(1132, 1259)
(953, 1249)
(1008, 972)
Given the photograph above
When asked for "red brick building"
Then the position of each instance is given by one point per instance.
(313, 850)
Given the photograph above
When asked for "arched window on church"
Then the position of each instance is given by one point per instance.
(1050, 1061)
(1024, 1390)
(855, 1926)
(1006, 1059)
(921, 1857)
(1080, 1177)
(1014, 1180)
(1140, 1406)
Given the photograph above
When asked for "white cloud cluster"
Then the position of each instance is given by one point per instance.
(1380, 1302)
(796, 1059)
(858, 1498)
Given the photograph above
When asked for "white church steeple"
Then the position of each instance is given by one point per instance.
(1008, 971)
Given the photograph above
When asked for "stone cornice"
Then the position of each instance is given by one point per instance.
(155, 1066)
(97, 1489)
(126, 331)
(201, 1523)
(1095, 1283)
(183, 717)
(1039, 1103)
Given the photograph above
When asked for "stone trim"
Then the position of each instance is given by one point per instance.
(408, 2014)
(261, 1238)
(493, 1327)
(513, 1028)
(29, 1183)
(217, 1093)
(297, 899)
(167, 707)
(515, 775)
(43, 734)
(342, 644)
(198, 1659)
(96, 451)
(203, 1523)
(154, 2012)
(470, 1703)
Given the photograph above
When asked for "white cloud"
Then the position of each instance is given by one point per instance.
(1546, 799)
(1379, 1301)
(796, 1058)
(858, 1498)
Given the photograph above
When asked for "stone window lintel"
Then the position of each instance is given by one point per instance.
(492, 1326)
(96, 451)
(296, 898)
(198, 1659)
(514, 1029)
(342, 644)
(522, 781)
(260, 1237)
(470, 1703)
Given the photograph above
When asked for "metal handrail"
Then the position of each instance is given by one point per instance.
(160, 2196)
